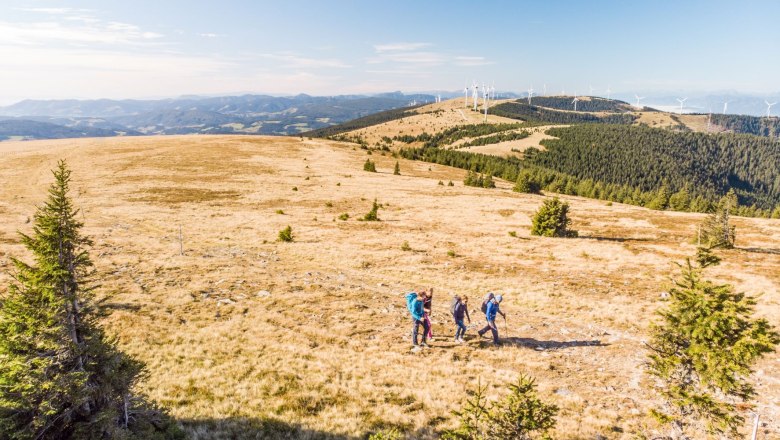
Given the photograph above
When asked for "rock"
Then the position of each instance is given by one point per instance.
(664, 295)
(562, 392)
(226, 301)
(219, 282)
(263, 293)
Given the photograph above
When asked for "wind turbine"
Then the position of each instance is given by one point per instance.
(725, 106)
(466, 95)
(485, 97)
(475, 94)
(608, 92)
(638, 100)
(575, 101)
(769, 107)
(530, 93)
(681, 103)
(544, 89)
(591, 89)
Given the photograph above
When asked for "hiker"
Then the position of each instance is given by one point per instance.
(459, 310)
(427, 309)
(414, 302)
(491, 310)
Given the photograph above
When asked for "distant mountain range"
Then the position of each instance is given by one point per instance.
(246, 114)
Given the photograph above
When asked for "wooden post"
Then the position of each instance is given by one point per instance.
(755, 428)
(181, 242)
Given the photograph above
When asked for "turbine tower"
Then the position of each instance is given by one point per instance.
(608, 92)
(486, 94)
(575, 101)
(544, 89)
(681, 103)
(769, 107)
(725, 106)
(638, 100)
(475, 94)
(591, 89)
(530, 93)
(466, 95)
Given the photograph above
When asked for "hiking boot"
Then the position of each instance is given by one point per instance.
(424, 344)
(461, 340)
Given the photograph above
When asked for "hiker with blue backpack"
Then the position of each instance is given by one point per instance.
(491, 308)
(414, 303)
(460, 310)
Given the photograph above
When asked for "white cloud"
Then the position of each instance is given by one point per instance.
(471, 61)
(209, 35)
(400, 47)
(289, 60)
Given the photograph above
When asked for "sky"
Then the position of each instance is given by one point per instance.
(88, 49)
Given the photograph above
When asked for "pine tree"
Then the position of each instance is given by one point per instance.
(488, 181)
(680, 201)
(60, 375)
(369, 166)
(397, 169)
(702, 352)
(716, 230)
(526, 184)
(373, 215)
(551, 220)
(521, 413)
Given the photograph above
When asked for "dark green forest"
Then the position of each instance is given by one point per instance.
(365, 121)
(649, 167)
(649, 158)
(759, 126)
(532, 113)
(592, 105)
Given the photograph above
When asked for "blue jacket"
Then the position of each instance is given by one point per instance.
(492, 310)
(414, 305)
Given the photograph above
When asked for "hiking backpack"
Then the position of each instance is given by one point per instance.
(454, 306)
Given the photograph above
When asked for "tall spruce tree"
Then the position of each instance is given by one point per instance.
(716, 230)
(61, 377)
(702, 351)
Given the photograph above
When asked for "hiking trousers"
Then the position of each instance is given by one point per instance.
(461, 330)
(416, 323)
(492, 328)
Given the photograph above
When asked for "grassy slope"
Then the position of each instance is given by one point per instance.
(327, 350)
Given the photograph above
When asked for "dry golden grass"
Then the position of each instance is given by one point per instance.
(431, 118)
(244, 336)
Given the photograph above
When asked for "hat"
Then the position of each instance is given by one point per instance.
(499, 298)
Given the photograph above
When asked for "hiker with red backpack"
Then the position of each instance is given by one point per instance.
(414, 303)
(460, 310)
(491, 308)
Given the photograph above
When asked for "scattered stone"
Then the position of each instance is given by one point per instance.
(562, 392)
(664, 295)
(226, 301)
(263, 293)
(219, 282)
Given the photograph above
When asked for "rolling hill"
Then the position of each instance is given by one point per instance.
(247, 114)
(246, 337)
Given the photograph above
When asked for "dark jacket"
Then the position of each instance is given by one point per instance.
(461, 311)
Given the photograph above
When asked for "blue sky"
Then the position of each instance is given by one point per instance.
(161, 48)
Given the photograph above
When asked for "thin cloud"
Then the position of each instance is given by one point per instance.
(472, 61)
(294, 61)
(210, 35)
(400, 47)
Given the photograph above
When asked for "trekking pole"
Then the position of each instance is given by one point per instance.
(506, 327)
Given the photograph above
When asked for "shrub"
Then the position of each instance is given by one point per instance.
(451, 253)
(329, 204)
(369, 166)
(295, 188)
(512, 234)
(450, 184)
(372, 215)
(280, 212)
(441, 183)
(344, 216)
(405, 246)
(386, 434)
(551, 220)
(286, 234)
(397, 169)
